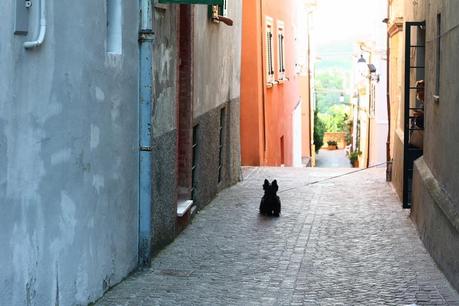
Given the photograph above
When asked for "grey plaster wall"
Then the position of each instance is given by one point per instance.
(68, 156)
(164, 201)
(437, 220)
(217, 59)
(439, 226)
(216, 68)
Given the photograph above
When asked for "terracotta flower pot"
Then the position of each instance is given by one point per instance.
(355, 164)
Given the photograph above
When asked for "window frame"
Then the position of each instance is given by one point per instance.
(269, 50)
(281, 69)
(218, 10)
(436, 95)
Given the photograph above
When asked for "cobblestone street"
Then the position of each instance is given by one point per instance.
(343, 241)
(332, 159)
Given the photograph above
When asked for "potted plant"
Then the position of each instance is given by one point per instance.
(354, 158)
(332, 145)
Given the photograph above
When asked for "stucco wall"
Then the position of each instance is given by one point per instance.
(68, 156)
(402, 11)
(216, 59)
(435, 206)
(216, 83)
(164, 193)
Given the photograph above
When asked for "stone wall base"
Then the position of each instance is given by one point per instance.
(437, 219)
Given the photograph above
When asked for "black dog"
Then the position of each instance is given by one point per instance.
(270, 204)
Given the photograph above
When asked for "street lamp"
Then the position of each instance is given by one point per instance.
(362, 67)
(341, 98)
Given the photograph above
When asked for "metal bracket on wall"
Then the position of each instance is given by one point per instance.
(21, 25)
(146, 149)
(146, 35)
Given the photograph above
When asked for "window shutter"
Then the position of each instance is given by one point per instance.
(206, 2)
(281, 49)
(269, 51)
(270, 46)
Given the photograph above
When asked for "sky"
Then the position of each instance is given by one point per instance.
(338, 20)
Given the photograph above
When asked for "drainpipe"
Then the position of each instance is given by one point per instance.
(263, 160)
(145, 107)
(311, 132)
(388, 153)
(42, 31)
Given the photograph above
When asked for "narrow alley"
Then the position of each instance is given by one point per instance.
(332, 159)
(344, 240)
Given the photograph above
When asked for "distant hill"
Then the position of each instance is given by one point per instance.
(335, 56)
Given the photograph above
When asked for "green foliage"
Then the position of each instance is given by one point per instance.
(319, 130)
(336, 119)
(326, 84)
(332, 143)
(354, 155)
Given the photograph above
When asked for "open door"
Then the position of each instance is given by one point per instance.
(413, 102)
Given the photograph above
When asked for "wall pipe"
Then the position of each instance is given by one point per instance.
(388, 152)
(146, 37)
(42, 28)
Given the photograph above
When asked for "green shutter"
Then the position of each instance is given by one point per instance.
(206, 2)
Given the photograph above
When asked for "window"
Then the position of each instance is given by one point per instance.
(438, 60)
(194, 161)
(281, 50)
(269, 51)
(114, 26)
(219, 10)
(220, 146)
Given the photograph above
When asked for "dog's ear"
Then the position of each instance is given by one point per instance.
(266, 185)
(274, 185)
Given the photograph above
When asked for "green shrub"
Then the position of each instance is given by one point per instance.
(319, 130)
(354, 155)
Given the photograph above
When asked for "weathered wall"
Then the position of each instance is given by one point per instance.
(217, 59)
(68, 156)
(164, 192)
(216, 72)
(339, 137)
(379, 124)
(435, 206)
(400, 11)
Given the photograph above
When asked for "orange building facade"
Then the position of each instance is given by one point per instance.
(275, 115)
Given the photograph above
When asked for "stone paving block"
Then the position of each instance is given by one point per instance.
(344, 241)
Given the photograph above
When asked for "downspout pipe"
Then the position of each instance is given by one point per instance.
(42, 28)
(146, 36)
(388, 144)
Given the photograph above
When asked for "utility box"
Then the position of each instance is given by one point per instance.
(21, 26)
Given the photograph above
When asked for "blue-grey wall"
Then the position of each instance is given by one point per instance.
(68, 155)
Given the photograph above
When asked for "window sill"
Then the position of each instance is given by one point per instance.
(282, 81)
(225, 20)
(183, 207)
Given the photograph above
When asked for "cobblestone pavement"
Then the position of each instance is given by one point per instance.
(344, 241)
(332, 159)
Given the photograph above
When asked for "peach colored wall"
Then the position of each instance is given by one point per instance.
(252, 138)
(279, 100)
(305, 117)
